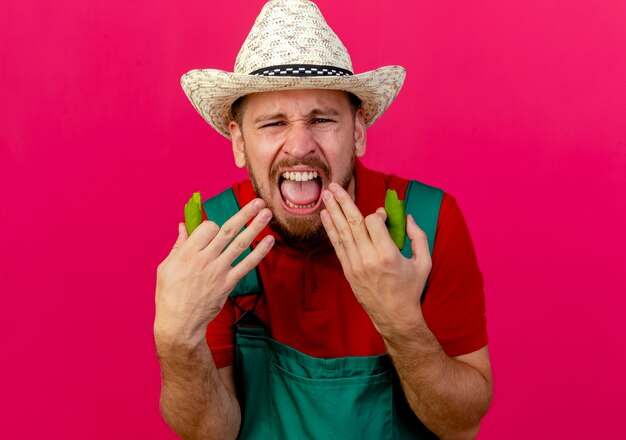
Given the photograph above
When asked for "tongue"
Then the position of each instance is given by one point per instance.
(300, 193)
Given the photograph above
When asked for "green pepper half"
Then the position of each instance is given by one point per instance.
(193, 212)
(396, 217)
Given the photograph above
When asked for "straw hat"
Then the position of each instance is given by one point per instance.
(289, 47)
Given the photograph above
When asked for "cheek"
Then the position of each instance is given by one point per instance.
(342, 155)
(267, 152)
(259, 165)
(260, 158)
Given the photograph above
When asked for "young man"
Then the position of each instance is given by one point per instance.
(324, 328)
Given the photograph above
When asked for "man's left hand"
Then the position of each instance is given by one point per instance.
(386, 284)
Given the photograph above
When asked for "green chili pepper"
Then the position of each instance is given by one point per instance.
(396, 218)
(194, 214)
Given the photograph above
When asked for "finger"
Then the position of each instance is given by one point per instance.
(382, 214)
(419, 241)
(355, 219)
(251, 261)
(380, 234)
(243, 240)
(345, 238)
(182, 236)
(233, 225)
(202, 236)
(333, 236)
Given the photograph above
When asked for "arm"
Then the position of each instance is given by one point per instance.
(197, 400)
(449, 395)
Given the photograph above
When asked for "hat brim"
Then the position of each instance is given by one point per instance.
(212, 92)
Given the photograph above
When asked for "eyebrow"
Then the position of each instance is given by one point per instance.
(315, 112)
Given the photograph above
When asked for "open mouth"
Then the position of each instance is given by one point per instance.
(300, 190)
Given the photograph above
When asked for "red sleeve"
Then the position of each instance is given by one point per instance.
(454, 301)
(220, 336)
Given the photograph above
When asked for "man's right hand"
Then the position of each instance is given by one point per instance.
(194, 281)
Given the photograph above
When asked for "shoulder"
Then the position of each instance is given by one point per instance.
(242, 192)
(372, 179)
(372, 185)
(434, 210)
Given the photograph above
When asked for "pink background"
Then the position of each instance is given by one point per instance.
(516, 108)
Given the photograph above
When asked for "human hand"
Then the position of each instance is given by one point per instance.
(386, 284)
(194, 281)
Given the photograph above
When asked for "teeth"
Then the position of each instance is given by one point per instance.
(300, 177)
(293, 205)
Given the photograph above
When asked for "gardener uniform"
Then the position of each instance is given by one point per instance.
(308, 361)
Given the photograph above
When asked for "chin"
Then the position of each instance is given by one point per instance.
(299, 229)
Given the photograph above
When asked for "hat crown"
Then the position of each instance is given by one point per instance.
(289, 32)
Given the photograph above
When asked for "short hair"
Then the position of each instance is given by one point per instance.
(238, 107)
(355, 102)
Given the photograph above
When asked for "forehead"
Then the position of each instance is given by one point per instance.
(297, 100)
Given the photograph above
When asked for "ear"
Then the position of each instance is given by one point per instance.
(360, 133)
(238, 144)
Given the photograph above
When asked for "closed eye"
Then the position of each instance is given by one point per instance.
(272, 124)
(322, 120)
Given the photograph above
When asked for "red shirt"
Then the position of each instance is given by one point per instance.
(308, 304)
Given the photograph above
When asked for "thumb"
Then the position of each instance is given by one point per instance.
(419, 241)
(182, 235)
(382, 214)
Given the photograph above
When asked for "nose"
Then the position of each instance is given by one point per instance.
(300, 142)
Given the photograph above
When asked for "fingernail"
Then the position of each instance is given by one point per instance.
(333, 187)
(265, 214)
(258, 203)
(180, 228)
(326, 196)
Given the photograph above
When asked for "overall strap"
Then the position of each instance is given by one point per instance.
(219, 209)
(423, 203)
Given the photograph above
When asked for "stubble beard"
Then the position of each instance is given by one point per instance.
(297, 229)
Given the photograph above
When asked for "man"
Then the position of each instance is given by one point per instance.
(323, 329)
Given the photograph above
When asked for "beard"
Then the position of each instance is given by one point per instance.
(297, 229)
